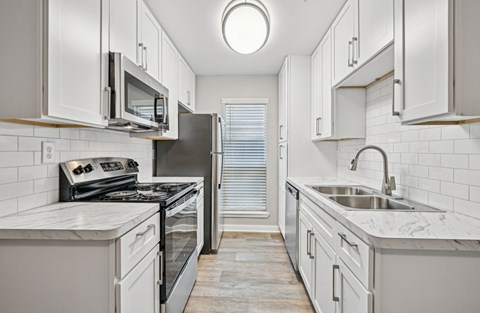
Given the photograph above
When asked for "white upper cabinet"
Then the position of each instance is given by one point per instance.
(124, 17)
(322, 90)
(375, 28)
(170, 80)
(186, 85)
(150, 43)
(283, 101)
(436, 60)
(49, 77)
(344, 41)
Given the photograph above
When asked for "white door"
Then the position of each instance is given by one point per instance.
(422, 58)
(170, 81)
(282, 179)
(324, 264)
(352, 296)
(305, 264)
(139, 291)
(283, 101)
(151, 34)
(375, 27)
(322, 123)
(77, 69)
(343, 33)
(124, 16)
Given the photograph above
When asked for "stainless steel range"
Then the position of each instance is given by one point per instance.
(115, 180)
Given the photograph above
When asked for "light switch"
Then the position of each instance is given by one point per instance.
(48, 152)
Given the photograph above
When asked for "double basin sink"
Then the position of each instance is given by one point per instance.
(362, 198)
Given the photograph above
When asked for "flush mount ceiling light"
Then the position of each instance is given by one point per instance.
(245, 26)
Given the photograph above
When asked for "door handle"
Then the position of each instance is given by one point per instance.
(334, 297)
(312, 234)
(350, 56)
(281, 127)
(344, 238)
(308, 243)
(355, 51)
(396, 81)
(281, 152)
(106, 108)
(141, 234)
(146, 58)
(160, 262)
(140, 45)
(318, 127)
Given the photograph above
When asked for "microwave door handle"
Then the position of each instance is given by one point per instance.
(165, 110)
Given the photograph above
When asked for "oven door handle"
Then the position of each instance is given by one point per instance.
(182, 206)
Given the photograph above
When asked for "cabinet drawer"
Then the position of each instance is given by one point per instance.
(135, 244)
(356, 254)
(322, 221)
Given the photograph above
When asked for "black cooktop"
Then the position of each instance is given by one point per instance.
(163, 193)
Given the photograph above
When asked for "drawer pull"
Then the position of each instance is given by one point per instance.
(141, 234)
(308, 243)
(334, 297)
(160, 262)
(344, 238)
(312, 234)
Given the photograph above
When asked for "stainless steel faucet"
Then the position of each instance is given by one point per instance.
(388, 183)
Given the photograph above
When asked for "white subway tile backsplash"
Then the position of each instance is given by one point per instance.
(26, 183)
(436, 165)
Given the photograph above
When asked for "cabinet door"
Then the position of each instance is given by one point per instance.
(324, 262)
(352, 296)
(124, 15)
(375, 27)
(282, 179)
(151, 34)
(343, 33)
(283, 101)
(77, 69)
(191, 89)
(170, 80)
(422, 58)
(139, 290)
(322, 122)
(305, 264)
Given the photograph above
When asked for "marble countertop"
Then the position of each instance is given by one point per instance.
(398, 230)
(76, 221)
(171, 179)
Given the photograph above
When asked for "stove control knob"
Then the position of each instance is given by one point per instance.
(78, 170)
(88, 168)
(132, 164)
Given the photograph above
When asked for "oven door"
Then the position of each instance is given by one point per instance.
(180, 238)
(137, 97)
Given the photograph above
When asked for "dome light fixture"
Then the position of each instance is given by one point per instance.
(245, 26)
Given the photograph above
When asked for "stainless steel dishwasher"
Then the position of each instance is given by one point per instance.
(291, 224)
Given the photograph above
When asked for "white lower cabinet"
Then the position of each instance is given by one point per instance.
(139, 290)
(332, 286)
(282, 180)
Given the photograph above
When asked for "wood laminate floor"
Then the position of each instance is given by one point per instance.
(250, 274)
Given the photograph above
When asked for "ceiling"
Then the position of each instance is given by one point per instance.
(195, 28)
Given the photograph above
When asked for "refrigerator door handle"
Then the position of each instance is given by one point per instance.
(222, 153)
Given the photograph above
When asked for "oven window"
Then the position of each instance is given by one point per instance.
(140, 99)
(180, 242)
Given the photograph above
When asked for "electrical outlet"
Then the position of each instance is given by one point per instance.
(48, 152)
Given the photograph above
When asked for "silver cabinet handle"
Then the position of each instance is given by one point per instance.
(319, 133)
(141, 234)
(396, 81)
(188, 97)
(280, 152)
(140, 45)
(355, 51)
(334, 297)
(281, 127)
(146, 59)
(309, 252)
(106, 108)
(350, 56)
(312, 234)
(160, 262)
(344, 238)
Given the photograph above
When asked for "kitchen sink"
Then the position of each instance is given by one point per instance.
(376, 203)
(341, 190)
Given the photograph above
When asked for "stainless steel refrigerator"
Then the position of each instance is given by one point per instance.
(198, 152)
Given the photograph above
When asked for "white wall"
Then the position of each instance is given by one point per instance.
(210, 91)
(436, 165)
(27, 183)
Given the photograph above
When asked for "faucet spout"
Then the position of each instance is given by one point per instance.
(388, 183)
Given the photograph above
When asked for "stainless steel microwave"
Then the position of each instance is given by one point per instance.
(138, 102)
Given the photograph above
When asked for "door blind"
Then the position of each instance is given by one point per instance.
(245, 168)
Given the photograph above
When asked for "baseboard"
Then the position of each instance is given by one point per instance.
(252, 228)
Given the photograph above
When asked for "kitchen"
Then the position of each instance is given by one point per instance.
(239, 156)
